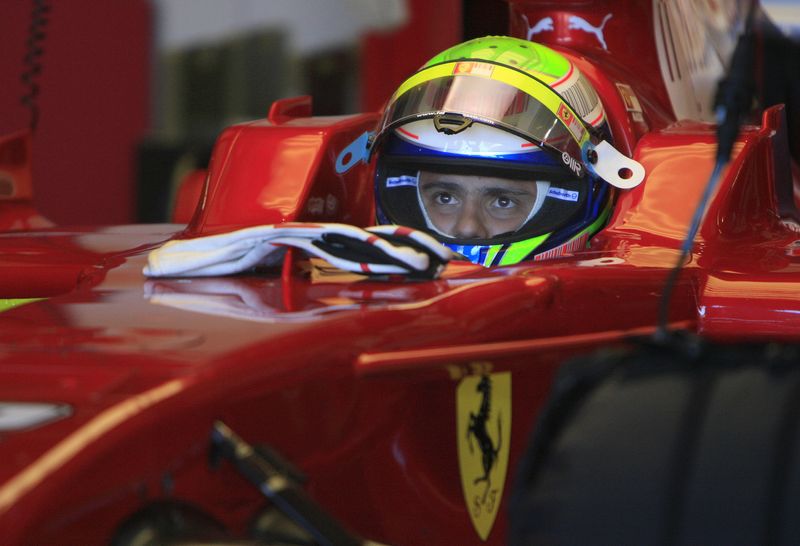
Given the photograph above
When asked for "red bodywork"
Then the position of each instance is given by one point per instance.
(354, 379)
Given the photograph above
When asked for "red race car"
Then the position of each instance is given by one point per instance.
(277, 371)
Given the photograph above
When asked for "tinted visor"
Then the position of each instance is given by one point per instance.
(457, 94)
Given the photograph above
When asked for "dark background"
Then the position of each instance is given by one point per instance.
(120, 122)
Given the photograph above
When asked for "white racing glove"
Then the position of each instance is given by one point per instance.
(378, 250)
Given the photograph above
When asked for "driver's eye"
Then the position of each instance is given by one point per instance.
(443, 198)
(504, 203)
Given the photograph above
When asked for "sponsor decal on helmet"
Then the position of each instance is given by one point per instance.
(473, 68)
(562, 194)
(571, 121)
(573, 164)
(403, 180)
(483, 421)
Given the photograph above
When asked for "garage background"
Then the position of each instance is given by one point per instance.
(131, 95)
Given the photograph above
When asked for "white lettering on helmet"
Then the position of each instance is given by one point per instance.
(574, 165)
(562, 194)
(403, 180)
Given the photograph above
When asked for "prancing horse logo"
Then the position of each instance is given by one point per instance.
(483, 421)
(477, 429)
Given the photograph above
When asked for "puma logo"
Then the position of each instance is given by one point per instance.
(542, 25)
(579, 23)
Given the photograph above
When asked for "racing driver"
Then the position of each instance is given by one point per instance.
(498, 147)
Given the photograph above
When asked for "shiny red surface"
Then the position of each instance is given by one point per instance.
(269, 172)
(352, 379)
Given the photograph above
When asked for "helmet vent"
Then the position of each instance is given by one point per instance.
(451, 124)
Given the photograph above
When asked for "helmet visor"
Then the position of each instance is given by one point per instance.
(457, 94)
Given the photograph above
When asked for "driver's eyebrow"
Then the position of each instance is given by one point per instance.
(440, 185)
(498, 190)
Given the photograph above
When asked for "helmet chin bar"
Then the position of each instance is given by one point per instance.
(612, 166)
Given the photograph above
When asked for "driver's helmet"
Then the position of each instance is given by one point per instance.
(497, 148)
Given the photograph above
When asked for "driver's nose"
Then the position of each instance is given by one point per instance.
(469, 224)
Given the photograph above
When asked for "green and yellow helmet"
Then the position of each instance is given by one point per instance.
(497, 148)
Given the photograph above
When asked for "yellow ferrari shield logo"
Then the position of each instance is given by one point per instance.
(483, 421)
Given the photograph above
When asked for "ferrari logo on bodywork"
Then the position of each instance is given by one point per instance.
(483, 421)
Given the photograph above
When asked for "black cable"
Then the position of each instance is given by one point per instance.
(32, 60)
(732, 102)
(663, 311)
(735, 93)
